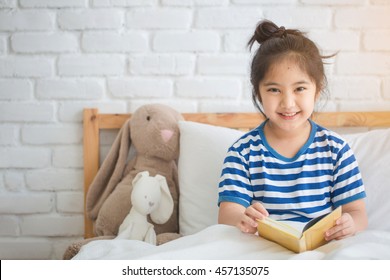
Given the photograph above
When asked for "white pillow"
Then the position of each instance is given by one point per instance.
(372, 151)
(202, 152)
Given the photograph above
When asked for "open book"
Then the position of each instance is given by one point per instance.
(310, 238)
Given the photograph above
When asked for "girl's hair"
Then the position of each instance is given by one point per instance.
(277, 43)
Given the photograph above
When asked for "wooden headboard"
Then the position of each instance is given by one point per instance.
(93, 122)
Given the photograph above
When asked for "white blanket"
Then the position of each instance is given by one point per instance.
(221, 242)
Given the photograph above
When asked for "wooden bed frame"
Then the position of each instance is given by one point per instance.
(93, 122)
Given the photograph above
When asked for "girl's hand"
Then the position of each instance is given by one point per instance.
(248, 222)
(353, 219)
(345, 226)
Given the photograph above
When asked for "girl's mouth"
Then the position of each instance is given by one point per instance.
(288, 116)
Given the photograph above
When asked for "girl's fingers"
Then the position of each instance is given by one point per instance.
(256, 211)
(259, 207)
(344, 227)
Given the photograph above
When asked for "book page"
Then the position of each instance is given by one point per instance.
(281, 233)
(283, 226)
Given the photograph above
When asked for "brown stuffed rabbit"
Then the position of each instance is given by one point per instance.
(154, 132)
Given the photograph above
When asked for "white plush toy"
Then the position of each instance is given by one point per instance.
(150, 195)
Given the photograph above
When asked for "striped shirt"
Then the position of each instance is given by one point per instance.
(321, 176)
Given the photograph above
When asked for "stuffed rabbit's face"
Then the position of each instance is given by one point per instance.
(155, 131)
(146, 195)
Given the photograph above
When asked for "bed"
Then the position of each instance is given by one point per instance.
(204, 139)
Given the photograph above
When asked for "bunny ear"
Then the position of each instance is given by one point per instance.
(110, 173)
(165, 209)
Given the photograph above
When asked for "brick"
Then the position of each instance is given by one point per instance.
(8, 135)
(26, 203)
(52, 225)
(190, 3)
(379, 2)
(90, 19)
(54, 4)
(73, 111)
(41, 42)
(25, 249)
(52, 134)
(123, 3)
(2, 184)
(324, 105)
(208, 88)
(223, 64)
(70, 89)
(364, 106)
(350, 88)
(26, 112)
(24, 157)
(365, 17)
(16, 89)
(363, 64)
(162, 64)
(195, 41)
(14, 181)
(181, 105)
(91, 65)
(9, 226)
(114, 42)
(228, 17)
(3, 44)
(26, 20)
(140, 87)
(236, 41)
(158, 18)
(34, 67)
(331, 41)
(68, 157)
(227, 106)
(263, 2)
(70, 202)
(8, 4)
(334, 2)
(386, 88)
(54, 179)
(304, 18)
(376, 40)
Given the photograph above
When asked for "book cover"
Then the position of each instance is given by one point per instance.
(310, 238)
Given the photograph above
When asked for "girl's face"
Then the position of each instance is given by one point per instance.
(288, 96)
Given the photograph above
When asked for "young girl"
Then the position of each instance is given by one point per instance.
(289, 168)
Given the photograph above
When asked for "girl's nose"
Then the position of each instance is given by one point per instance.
(288, 100)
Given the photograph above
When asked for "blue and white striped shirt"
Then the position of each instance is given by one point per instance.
(321, 176)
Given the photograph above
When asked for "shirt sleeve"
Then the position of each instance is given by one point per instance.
(347, 184)
(234, 184)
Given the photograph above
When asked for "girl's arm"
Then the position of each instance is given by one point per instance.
(234, 214)
(353, 220)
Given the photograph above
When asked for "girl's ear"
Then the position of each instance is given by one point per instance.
(165, 208)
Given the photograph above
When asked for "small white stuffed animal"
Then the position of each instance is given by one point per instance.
(150, 195)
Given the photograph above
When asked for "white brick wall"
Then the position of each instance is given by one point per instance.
(57, 57)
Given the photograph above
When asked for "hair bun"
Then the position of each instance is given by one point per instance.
(266, 30)
(282, 31)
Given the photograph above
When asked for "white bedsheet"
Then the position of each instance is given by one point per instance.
(221, 242)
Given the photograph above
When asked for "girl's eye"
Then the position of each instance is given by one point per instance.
(273, 90)
(300, 89)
